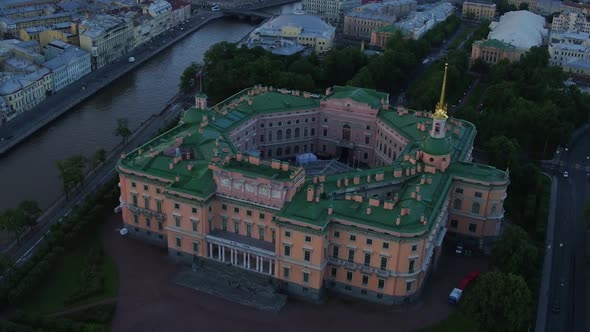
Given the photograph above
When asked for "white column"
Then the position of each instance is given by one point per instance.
(232, 255)
(248, 257)
(218, 252)
(270, 266)
(258, 263)
(245, 259)
(210, 250)
(236, 256)
(223, 254)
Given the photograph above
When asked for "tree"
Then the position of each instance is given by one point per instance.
(187, 79)
(12, 221)
(31, 212)
(503, 152)
(99, 157)
(71, 172)
(123, 129)
(5, 263)
(498, 302)
(587, 211)
(514, 253)
(523, 6)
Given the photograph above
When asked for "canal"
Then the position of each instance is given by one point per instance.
(29, 171)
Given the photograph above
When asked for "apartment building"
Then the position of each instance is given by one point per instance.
(67, 63)
(479, 10)
(106, 38)
(331, 11)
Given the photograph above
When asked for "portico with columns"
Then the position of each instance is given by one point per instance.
(244, 255)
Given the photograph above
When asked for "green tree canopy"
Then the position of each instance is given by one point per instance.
(503, 152)
(71, 172)
(187, 79)
(499, 302)
(123, 129)
(514, 253)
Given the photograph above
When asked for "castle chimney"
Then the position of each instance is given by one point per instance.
(239, 157)
(189, 166)
(338, 183)
(321, 189)
(275, 164)
(177, 178)
(346, 182)
(310, 193)
(171, 165)
(317, 199)
(330, 210)
(398, 220)
(379, 177)
(315, 179)
(357, 179)
(368, 178)
(322, 178)
(140, 151)
(285, 166)
(123, 155)
(369, 210)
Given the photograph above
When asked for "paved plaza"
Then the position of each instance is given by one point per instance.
(150, 300)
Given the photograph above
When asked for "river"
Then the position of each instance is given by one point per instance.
(29, 171)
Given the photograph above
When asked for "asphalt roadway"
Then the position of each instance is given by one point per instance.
(27, 123)
(568, 286)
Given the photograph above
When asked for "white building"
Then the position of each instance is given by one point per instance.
(417, 23)
(330, 10)
(291, 33)
(161, 12)
(106, 38)
(571, 51)
(571, 20)
(522, 29)
(23, 91)
(67, 63)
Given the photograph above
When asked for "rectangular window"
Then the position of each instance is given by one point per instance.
(224, 224)
(160, 226)
(334, 271)
(411, 266)
(224, 207)
(176, 206)
(287, 250)
(367, 259)
(261, 232)
(368, 127)
(194, 210)
(478, 194)
(325, 132)
(237, 227)
(134, 198)
(287, 234)
(472, 228)
(178, 242)
(380, 283)
(248, 230)
(286, 272)
(236, 210)
(365, 280)
(351, 255)
(459, 190)
(415, 247)
(195, 226)
(369, 241)
(249, 213)
(136, 218)
(146, 202)
(159, 206)
(383, 265)
(133, 185)
(367, 139)
(307, 238)
(352, 237)
(348, 275)
(454, 223)
(336, 234)
(261, 216)
(335, 251)
(305, 277)
(196, 246)
(145, 187)
(409, 285)
(307, 255)
(385, 245)
(176, 221)
(148, 223)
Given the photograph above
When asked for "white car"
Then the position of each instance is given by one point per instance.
(565, 174)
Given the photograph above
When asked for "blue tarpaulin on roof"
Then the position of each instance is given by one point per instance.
(305, 158)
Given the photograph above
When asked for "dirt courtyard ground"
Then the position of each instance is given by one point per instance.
(149, 300)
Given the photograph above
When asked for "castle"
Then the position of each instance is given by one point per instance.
(219, 186)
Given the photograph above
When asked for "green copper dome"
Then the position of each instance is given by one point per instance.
(192, 115)
(437, 146)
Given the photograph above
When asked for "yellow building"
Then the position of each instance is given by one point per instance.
(12, 26)
(23, 92)
(479, 10)
(106, 38)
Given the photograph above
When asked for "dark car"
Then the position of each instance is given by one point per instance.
(555, 308)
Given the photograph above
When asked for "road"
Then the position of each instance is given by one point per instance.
(19, 254)
(568, 282)
(24, 125)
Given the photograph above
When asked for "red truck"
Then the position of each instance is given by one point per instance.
(456, 294)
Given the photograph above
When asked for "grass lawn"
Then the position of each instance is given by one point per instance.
(66, 277)
(455, 323)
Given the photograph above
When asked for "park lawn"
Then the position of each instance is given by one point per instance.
(454, 323)
(66, 277)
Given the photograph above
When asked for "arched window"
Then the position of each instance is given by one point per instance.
(346, 132)
(279, 152)
(304, 132)
(269, 154)
(475, 207)
(457, 204)
(296, 149)
(494, 210)
(297, 132)
(279, 135)
(288, 134)
(270, 136)
(287, 151)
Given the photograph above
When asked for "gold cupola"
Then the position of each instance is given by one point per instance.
(440, 112)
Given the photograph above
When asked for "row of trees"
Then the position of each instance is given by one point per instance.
(17, 220)
(230, 68)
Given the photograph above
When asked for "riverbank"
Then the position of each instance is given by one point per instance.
(21, 128)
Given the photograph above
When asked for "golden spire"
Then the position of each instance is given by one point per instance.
(440, 112)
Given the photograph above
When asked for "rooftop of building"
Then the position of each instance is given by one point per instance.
(70, 53)
(100, 24)
(181, 158)
(495, 44)
(377, 11)
(425, 13)
(310, 25)
(21, 81)
(276, 45)
(521, 28)
(9, 20)
(480, 2)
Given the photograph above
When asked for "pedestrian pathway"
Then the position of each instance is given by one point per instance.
(233, 284)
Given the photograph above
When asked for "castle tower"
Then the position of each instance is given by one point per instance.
(201, 101)
(439, 119)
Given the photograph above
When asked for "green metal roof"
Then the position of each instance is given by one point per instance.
(496, 44)
(437, 146)
(370, 97)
